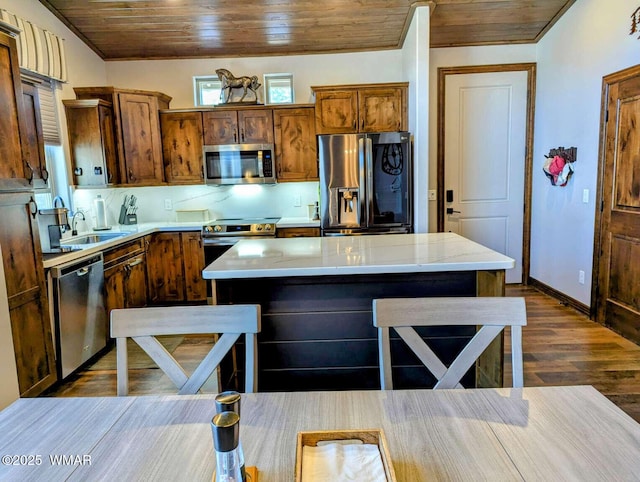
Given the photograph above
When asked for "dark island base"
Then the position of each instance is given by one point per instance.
(318, 334)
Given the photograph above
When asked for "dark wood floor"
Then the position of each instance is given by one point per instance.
(561, 347)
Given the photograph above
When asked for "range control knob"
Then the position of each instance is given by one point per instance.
(258, 227)
(208, 229)
(267, 227)
(217, 228)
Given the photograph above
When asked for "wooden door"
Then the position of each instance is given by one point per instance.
(618, 254)
(165, 274)
(11, 120)
(485, 152)
(255, 126)
(26, 292)
(337, 112)
(381, 110)
(295, 144)
(141, 138)
(33, 142)
(182, 146)
(220, 127)
(193, 261)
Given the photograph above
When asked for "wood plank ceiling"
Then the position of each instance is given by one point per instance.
(160, 29)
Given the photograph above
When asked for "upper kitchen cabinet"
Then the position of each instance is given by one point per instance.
(33, 142)
(361, 108)
(90, 124)
(137, 131)
(238, 126)
(295, 143)
(13, 135)
(182, 146)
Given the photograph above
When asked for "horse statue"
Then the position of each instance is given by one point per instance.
(230, 82)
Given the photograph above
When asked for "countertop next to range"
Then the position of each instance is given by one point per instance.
(143, 229)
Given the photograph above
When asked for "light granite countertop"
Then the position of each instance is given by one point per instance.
(129, 233)
(343, 255)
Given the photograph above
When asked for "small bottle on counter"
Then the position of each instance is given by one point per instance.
(225, 427)
(230, 402)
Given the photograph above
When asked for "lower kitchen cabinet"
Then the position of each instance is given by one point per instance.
(298, 232)
(125, 276)
(28, 306)
(175, 261)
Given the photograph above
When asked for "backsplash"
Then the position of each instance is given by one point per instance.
(159, 203)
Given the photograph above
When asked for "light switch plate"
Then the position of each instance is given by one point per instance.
(432, 194)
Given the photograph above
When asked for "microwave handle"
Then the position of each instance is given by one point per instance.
(260, 165)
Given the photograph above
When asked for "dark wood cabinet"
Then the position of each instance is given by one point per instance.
(137, 131)
(33, 142)
(125, 276)
(25, 281)
(12, 120)
(296, 151)
(297, 232)
(164, 268)
(182, 146)
(193, 263)
(21, 145)
(174, 267)
(240, 126)
(92, 143)
(361, 108)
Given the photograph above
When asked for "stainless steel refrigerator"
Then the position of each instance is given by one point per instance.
(365, 183)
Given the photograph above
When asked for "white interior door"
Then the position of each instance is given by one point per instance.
(485, 149)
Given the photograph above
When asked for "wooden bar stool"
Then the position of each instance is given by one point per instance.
(144, 324)
(492, 314)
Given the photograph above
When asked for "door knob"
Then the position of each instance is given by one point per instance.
(451, 211)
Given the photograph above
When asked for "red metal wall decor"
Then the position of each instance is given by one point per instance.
(559, 165)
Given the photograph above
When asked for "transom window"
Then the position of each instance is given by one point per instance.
(278, 88)
(207, 90)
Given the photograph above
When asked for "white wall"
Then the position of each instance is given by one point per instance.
(415, 57)
(9, 391)
(457, 57)
(590, 41)
(175, 77)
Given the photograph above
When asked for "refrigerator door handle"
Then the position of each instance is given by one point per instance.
(369, 183)
(362, 161)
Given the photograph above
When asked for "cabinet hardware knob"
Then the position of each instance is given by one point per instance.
(33, 208)
(45, 174)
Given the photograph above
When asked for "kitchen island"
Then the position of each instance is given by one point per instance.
(316, 296)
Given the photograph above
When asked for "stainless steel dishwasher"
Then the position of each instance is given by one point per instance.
(80, 316)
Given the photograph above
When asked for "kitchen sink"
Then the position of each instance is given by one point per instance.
(91, 238)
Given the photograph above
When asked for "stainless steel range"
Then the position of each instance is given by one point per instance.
(219, 235)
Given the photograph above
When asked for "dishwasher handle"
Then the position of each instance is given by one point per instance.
(83, 271)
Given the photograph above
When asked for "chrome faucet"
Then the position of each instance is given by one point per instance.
(74, 231)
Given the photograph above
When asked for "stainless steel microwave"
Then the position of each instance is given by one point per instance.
(239, 164)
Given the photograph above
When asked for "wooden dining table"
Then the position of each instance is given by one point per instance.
(548, 433)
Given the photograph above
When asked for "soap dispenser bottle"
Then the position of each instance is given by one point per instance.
(225, 427)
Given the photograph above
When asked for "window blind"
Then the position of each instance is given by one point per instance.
(49, 113)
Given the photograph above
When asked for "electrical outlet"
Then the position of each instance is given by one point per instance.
(297, 201)
(585, 196)
(432, 194)
(581, 277)
(168, 205)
